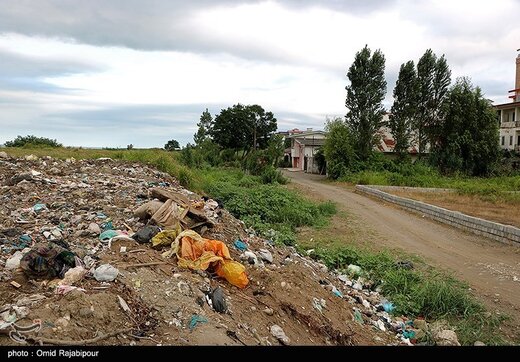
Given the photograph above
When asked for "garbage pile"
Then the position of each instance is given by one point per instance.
(117, 253)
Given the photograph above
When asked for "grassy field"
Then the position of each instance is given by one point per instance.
(492, 189)
(279, 211)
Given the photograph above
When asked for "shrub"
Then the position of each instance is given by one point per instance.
(33, 141)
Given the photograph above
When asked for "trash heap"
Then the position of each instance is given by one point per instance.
(107, 252)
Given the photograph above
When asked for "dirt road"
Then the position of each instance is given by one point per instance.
(492, 269)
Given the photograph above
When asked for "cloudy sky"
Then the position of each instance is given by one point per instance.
(114, 72)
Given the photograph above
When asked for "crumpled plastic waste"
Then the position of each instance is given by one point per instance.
(196, 253)
(108, 234)
(165, 237)
(240, 245)
(218, 300)
(196, 319)
(146, 234)
(105, 273)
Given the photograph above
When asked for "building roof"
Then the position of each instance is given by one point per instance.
(507, 105)
(306, 134)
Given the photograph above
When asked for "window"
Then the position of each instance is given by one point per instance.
(503, 140)
(510, 140)
(518, 143)
(513, 116)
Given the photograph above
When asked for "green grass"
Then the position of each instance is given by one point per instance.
(270, 209)
(421, 291)
(489, 189)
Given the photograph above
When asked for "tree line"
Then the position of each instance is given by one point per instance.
(454, 125)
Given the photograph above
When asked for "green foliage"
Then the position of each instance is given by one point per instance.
(468, 140)
(32, 141)
(271, 175)
(243, 127)
(434, 77)
(365, 95)
(404, 109)
(273, 211)
(338, 150)
(204, 128)
(172, 145)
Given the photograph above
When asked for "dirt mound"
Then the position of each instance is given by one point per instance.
(153, 301)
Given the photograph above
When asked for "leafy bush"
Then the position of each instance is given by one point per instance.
(33, 141)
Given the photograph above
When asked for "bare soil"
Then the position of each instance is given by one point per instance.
(492, 269)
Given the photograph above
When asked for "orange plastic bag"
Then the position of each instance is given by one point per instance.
(195, 252)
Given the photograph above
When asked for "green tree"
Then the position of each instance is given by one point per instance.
(33, 141)
(275, 148)
(172, 145)
(468, 137)
(365, 94)
(338, 150)
(404, 109)
(434, 77)
(204, 130)
(243, 127)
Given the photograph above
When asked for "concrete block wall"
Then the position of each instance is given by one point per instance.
(503, 233)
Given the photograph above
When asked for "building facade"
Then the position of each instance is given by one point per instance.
(509, 116)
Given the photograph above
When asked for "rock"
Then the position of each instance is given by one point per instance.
(4, 155)
(446, 337)
(279, 334)
(94, 229)
(31, 158)
(269, 311)
(479, 343)
(86, 312)
(420, 324)
(266, 255)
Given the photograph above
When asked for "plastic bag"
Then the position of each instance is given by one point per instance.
(166, 237)
(233, 272)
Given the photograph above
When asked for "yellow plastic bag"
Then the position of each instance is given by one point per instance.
(196, 253)
(233, 272)
(165, 237)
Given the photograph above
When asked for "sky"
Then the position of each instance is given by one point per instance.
(109, 73)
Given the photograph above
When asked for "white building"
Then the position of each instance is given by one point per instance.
(509, 116)
(304, 146)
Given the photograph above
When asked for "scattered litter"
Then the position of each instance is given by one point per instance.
(218, 300)
(123, 304)
(266, 255)
(15, 284)
(146, 234)
(14, 261)
(106, 273)
(195, 320)
(388, 306)
(39, 207)
(240, 245)
(279, 334)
